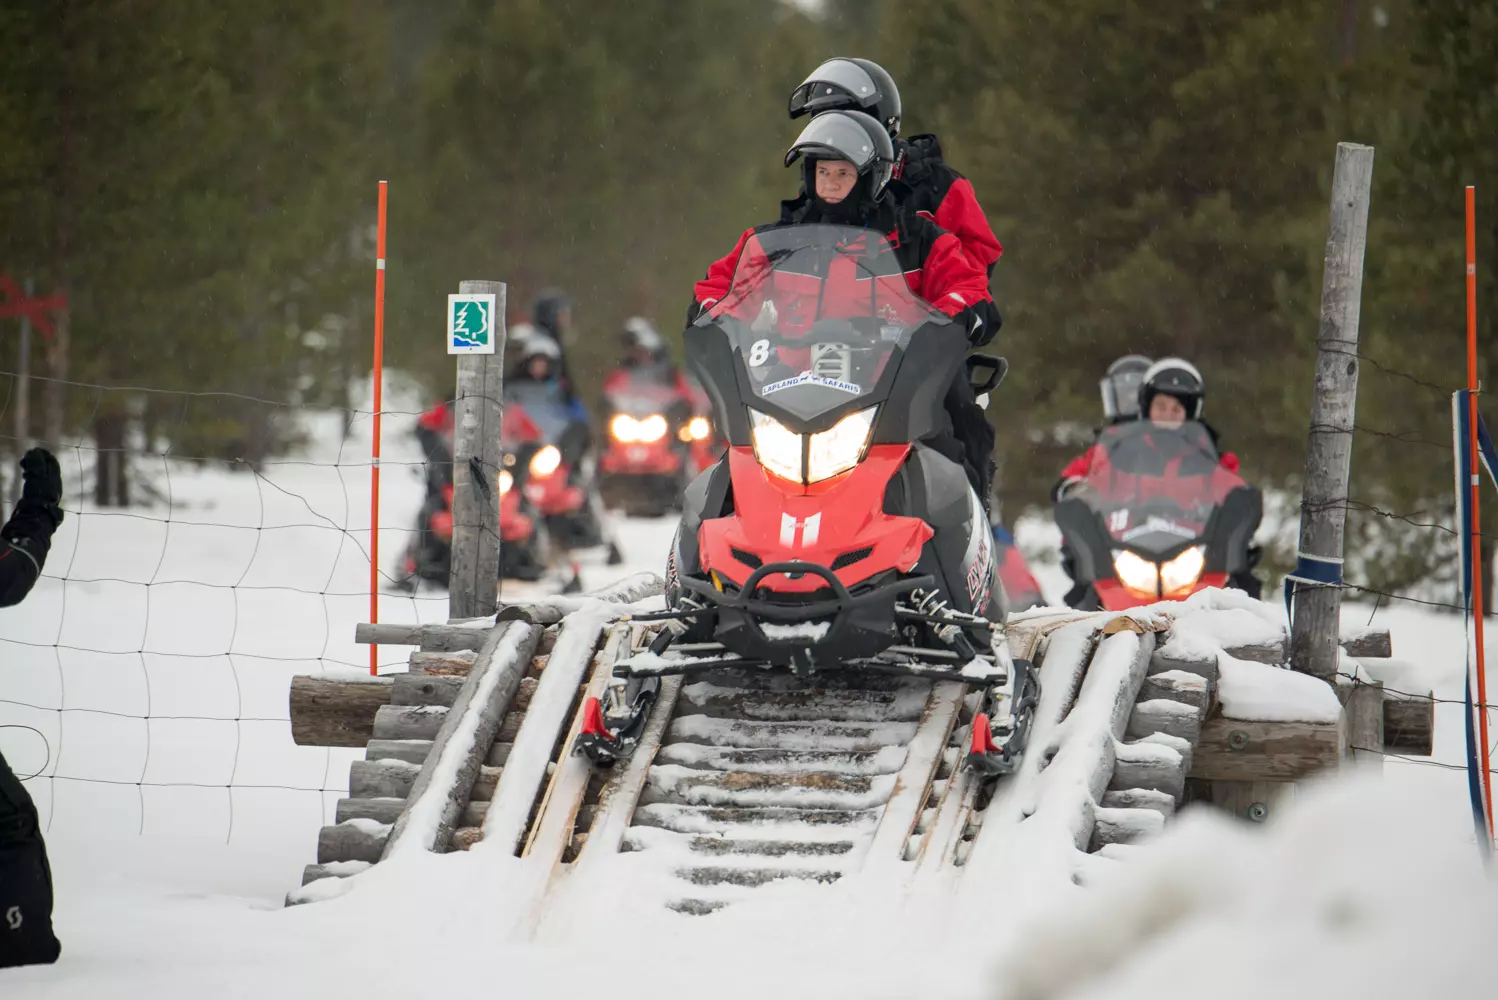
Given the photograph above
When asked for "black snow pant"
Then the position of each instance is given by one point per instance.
(25, 880)
(972, 437)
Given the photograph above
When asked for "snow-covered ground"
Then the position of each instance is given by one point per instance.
(153, 667)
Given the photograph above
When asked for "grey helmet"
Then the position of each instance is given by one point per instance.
(843, 84)
(1120, 388)
(852, 136)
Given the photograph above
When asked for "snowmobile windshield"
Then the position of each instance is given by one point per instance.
(641, 391)
(1156, 486)
(545, 405)
(818, 315)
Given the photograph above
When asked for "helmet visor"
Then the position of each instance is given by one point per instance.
(1121, 395)
(836, 83)
(835, 137)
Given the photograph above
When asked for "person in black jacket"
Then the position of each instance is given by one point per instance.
(26, 936)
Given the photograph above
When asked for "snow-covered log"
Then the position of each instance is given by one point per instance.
(1373, 642)
(552, 610)
(1150, 765)
(1124, 826)
(335, 712)
(352, 840)
(431, 638)
(442, 790)
(1160, 715)
(1178, 685)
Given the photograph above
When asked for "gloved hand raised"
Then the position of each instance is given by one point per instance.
(42, 477)
(38, 511)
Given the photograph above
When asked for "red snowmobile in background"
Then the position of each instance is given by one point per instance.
(523, 549)
(1157, 517)
(830, 539)
(659, 439)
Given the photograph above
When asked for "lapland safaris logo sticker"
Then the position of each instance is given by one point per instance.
(470, 323)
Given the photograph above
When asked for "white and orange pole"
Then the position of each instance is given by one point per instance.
(374, 465)
(1478, 569)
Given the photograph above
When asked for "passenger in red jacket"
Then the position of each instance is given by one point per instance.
(1170, 393)
(923, 183)
(848, 162)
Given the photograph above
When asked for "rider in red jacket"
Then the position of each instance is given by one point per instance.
(848, 163)
(922, 183)
(1171, 392)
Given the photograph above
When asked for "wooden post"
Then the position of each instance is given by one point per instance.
(473, 582)
(1313, 641)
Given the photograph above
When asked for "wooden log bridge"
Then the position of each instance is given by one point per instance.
(438, 737)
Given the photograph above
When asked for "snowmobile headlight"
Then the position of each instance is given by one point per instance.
(1182, 572)
(699, 428)
(546, 461)
(776, 446)
(1138, 575)
(624, 428)
(651, 429)
(838, 449)
(506, 480)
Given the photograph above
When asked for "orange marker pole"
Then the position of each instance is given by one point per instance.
(1478, 605)
(374, 465)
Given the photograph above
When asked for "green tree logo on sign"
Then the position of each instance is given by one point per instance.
(470, 324)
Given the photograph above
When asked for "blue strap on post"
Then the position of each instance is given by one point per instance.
(1461, 431)
(1313, 571)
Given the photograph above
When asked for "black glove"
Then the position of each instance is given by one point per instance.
(981, 322)
(38, 512)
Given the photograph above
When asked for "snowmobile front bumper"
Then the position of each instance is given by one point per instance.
(846, 630)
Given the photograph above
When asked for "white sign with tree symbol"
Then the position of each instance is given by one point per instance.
(470, 324)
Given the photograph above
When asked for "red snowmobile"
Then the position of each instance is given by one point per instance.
(831, 538)
(523, 548)
(659, 438)
(1157, 518)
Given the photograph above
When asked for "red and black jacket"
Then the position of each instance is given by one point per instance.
(935, 265)
(925, 185)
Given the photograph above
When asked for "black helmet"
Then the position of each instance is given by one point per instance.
(1120, 388)
(1174, 377)
(547, 311)
(850, 85)
(639, 334)
(847, 135)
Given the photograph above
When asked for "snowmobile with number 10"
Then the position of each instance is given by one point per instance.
(830, 539)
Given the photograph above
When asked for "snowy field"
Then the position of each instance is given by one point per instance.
(144, 684)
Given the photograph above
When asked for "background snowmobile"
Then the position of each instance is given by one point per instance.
(524, 549)
(830, 539)
(1157, 518)
(551, 448)
(659, 438)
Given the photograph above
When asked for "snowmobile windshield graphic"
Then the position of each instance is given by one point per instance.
(818, 314)
(1158, 516)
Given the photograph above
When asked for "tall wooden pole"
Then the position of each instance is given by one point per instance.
(473, 581)
(1323, 520)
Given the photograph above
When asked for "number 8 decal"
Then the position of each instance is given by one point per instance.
(759, 353)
